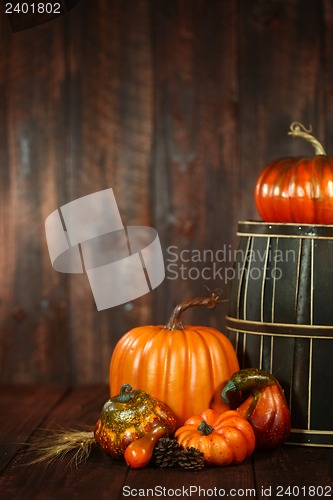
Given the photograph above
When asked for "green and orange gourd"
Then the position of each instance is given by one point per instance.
(265, 407)
(129, 416)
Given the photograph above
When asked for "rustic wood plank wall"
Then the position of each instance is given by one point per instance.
(177, 105)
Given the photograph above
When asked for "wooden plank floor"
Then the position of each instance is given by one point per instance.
(27, 411)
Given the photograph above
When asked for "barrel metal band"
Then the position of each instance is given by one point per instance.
(279, 329)
(285, 230)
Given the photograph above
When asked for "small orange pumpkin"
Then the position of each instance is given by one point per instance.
(186, 367)
(224, 438)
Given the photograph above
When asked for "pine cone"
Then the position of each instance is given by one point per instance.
(191, 459)
(166, 452)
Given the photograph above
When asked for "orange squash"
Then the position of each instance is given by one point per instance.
(140, 451)
(186, 367)
(224, 438)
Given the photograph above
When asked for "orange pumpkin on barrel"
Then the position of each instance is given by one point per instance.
(297, 189)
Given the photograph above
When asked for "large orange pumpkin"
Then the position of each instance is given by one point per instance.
(184, 366)
(297, 189)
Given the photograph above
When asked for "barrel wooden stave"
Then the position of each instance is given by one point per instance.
(281, 318)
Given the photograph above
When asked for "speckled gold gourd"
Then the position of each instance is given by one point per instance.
(129, 416)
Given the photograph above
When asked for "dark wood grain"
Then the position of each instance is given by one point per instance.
(281, 73)
(327, 53)
(296, 467)
(79, 409)
(23, 409)
(112, 109)
(34, 305)
(209, 480)
(45, 409)
(177, 106)
(195, 157)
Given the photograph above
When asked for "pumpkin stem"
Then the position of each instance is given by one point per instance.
(298, 130)
(125, 393)
(175, 322)
(205, 428)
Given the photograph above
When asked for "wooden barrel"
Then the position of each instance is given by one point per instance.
(281, 318)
